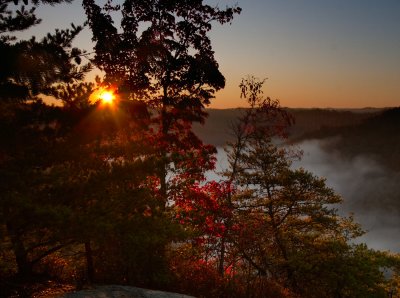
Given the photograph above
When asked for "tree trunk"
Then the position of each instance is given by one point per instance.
(164, 130)
(24, 267)
(221, 268)
(89, 262)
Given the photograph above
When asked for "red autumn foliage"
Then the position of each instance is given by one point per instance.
(204, 207)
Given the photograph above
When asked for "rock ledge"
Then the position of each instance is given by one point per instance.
(115, 291)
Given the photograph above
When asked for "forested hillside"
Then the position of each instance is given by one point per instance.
(376, 136)
(216, 129)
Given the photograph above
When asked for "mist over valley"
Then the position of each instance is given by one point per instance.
(356, 151)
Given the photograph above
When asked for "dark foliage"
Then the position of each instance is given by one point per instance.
(117, 193)
(375, 136)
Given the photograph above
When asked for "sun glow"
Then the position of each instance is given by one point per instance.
(104, 95)
(107, 97)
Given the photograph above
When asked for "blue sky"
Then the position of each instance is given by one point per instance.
(315, 53)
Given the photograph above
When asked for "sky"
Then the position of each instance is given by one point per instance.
(314, 53)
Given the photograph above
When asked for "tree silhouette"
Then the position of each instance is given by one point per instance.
(30, 67)
(29, 130)
(162, 56)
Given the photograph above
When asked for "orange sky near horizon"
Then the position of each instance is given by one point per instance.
(315, 53)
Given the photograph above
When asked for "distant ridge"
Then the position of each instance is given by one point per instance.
(216, 130)
(377, 136)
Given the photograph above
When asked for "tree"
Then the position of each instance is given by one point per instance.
(29, 129)
(284, 229)
(30, 67)
(77, 183)
(29, 136)
(100, 174)
(163, 56)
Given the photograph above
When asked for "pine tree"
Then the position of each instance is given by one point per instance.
(29, 131)
(290, 233)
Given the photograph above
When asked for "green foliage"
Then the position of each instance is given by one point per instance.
(80, 177)
(30, 135)
(91, 179)
(117, 194)
(31, 67)
(284, 224)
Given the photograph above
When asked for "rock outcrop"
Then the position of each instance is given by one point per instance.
(115, 291)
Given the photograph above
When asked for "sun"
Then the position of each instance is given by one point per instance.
(104, 95)
(107, 97)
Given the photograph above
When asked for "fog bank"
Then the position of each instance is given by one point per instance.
(369, 190)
